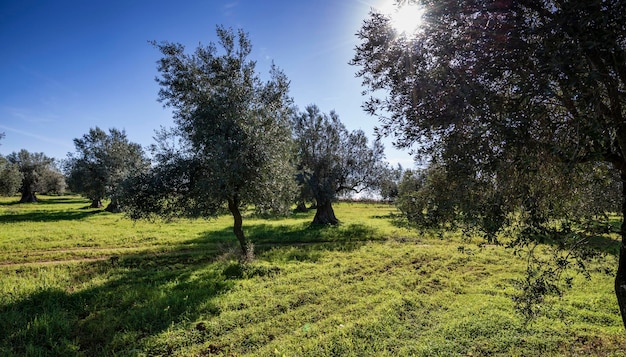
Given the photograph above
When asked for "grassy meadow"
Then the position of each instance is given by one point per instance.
(84, 282)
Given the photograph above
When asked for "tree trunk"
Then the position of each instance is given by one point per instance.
(246, 248)
(113, 207)
(301, 207)
(97, 203)
(620, 277)
(325, 214)
(28, 197)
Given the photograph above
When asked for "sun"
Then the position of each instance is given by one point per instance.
(405, 19)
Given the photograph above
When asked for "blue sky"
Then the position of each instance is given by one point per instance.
(68, 66)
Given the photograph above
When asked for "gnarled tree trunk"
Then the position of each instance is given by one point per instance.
(246, 248)
(620, 277)
(113, 207)
(28, 196)
(301, 207)
(325, 214)
(97, 203)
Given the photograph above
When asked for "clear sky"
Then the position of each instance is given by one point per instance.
(70, 65)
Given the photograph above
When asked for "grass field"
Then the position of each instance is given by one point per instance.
(83, 282)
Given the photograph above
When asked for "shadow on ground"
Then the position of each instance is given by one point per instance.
(141, 297)
(114, 307)
(48, 216)
(302, 242)
(47, 210)
(49, 200)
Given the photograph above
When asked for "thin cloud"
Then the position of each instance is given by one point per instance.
(229, 8)
(37, 136)
(25, 115)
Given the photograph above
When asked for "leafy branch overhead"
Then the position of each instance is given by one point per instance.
(519, 105)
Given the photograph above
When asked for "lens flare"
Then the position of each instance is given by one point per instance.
(405, 19)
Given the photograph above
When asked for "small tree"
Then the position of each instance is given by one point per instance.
(232, 137)
(101, 162)
(334, 161)
(32, 167)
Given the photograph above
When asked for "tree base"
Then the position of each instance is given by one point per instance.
(301, 207)
(29, 198)
(247, 248)
(325, 215)
(620, 283)
(113, 207)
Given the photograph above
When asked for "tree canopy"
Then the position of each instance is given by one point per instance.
(231, 142)
(33, 167)
(101, 162)
(333, 161)
(9, 176)
(514, 100)
(390, 180)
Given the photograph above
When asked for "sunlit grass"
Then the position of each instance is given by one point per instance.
(367, 287)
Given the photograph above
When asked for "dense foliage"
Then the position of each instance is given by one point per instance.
(231, 143)
(333, 161)
(9, 176)
(101, 162)
(37, 174)
(390, 181)
(519, 105)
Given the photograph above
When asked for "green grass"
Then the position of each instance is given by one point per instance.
(84, 282)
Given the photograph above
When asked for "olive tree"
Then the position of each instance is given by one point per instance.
(333, 160)
(32, 168)
(390, 179)
(10, 177)
(517, 101)
(231, 142)
(52, 182)
(100, 163)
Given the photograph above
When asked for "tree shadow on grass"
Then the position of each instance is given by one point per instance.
(48, 200)
(266, 234)
(302, 242)
(46, 211)
(119, 306)
(47, 216)
(141, 297)
(397, 220)
(603, 244)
